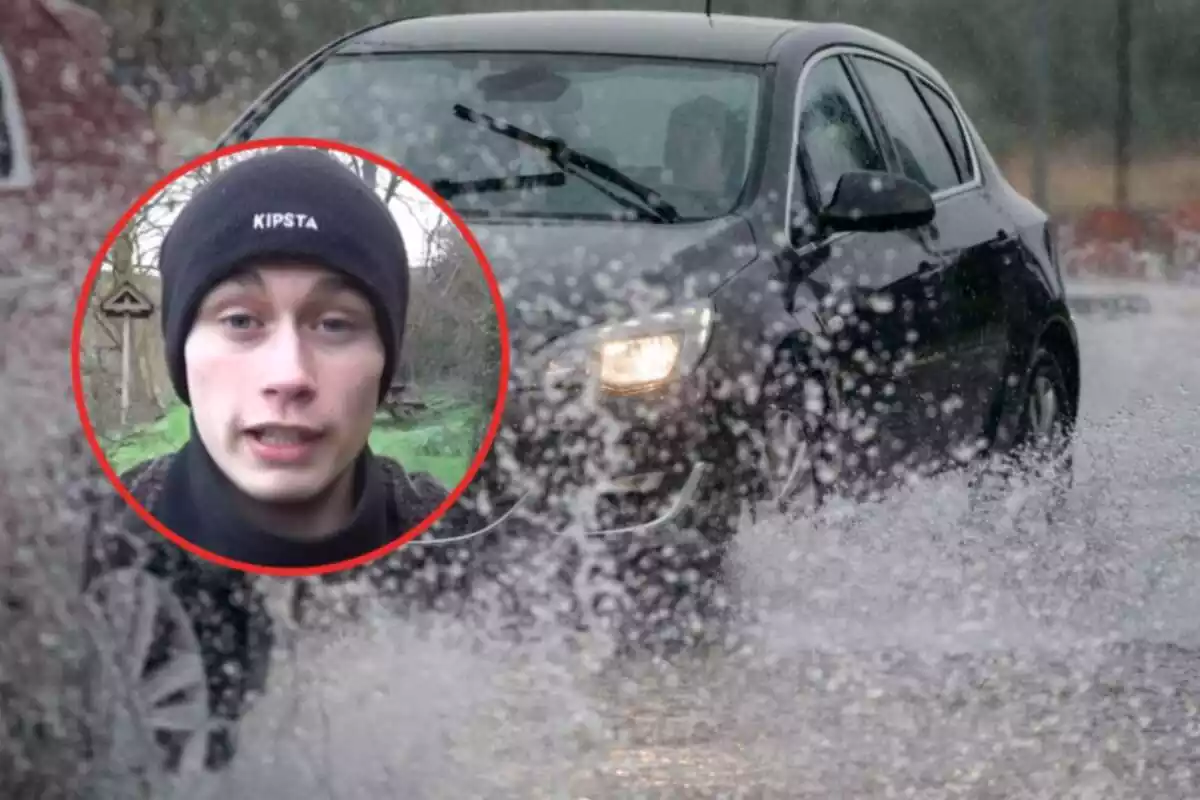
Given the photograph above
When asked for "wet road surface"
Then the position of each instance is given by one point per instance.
(896, 650)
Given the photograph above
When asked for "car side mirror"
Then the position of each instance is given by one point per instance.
(877, 202)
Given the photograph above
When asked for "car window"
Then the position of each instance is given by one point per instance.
(951, 129)
(834, 132)
(922, 151)
(686, 130)
(6, 149)
(14, 159)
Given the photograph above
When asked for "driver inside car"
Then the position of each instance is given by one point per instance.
(694, 152)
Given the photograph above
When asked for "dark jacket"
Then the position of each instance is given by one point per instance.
(187, 492)
(229, 613)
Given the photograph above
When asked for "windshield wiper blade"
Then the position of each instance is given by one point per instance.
(449, 188)
(560, 153)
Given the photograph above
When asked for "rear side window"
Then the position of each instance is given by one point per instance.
(14, 155)
(834, 132)
(952, 130)
(923, 153)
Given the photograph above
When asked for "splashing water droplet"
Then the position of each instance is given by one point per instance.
(881, 303)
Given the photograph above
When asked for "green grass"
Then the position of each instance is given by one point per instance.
(438, 441)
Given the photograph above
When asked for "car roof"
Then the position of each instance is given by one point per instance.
(676, 34)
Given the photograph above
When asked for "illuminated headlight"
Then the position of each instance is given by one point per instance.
(633, 356)
(635, 362)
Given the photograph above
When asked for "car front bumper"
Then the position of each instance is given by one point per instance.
(634, 468)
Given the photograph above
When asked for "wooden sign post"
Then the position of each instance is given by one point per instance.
(128, 302)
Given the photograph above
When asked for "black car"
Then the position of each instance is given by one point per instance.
(742, 258)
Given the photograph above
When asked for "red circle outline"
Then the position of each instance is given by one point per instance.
(84, 302)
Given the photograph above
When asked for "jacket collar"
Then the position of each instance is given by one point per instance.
(198, 503)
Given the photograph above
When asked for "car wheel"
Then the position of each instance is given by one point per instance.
(795, 452)
(1047, 419)
(147, 687)
(1037, 473)
(788, 464)
(1047, 432)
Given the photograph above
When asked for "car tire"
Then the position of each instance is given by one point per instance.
(1046, 433)
(1040, 463)
(787, 465)
(795, 449)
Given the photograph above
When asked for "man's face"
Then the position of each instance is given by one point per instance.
(283, 369)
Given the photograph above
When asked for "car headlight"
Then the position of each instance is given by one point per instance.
(632, 356)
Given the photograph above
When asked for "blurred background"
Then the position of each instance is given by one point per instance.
(1090, 105)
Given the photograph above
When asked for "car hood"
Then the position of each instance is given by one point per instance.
(557, 277)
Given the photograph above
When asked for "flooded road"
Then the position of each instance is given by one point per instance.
(903, 649)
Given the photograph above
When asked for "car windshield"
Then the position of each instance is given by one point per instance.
(648, 139)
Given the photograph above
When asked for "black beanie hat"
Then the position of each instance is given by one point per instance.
(293, 204)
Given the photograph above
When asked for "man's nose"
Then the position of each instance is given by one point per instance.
(286, 365)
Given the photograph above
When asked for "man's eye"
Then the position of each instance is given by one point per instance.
(239, 322)
(338, 325)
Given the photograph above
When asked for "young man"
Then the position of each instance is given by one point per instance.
(284, 296)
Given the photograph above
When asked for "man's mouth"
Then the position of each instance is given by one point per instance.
(283, 444)
(283, 434)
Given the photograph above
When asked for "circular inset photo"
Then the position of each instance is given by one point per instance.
(290, 357)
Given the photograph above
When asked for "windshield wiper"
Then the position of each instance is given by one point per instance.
(566, 158)
(449, 188)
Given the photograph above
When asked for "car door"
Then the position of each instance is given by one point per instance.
(874, 289)
(982, 243)
(968, 237)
